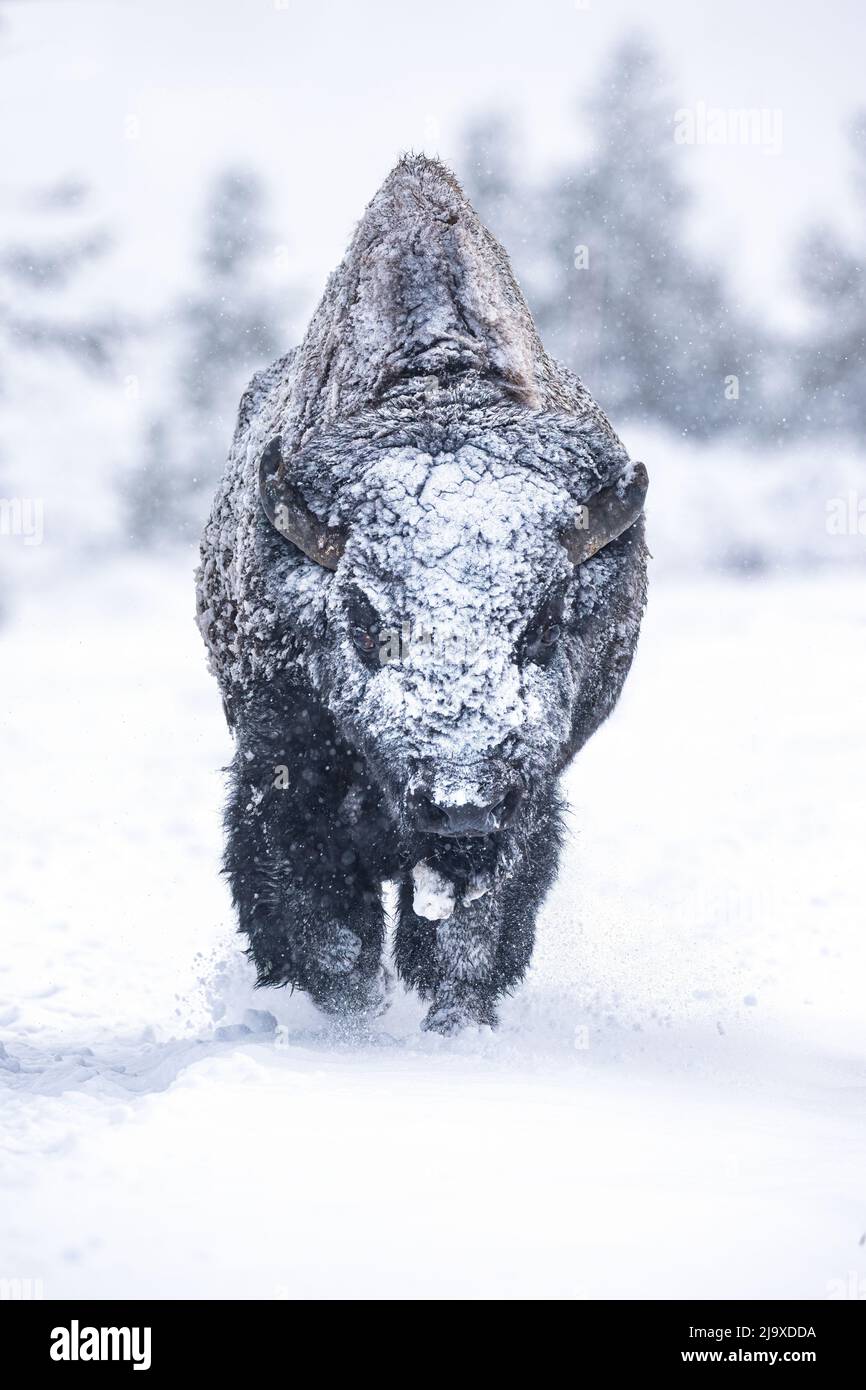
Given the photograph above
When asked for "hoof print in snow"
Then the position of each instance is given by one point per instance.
(260, 1021)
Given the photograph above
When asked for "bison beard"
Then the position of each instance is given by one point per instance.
(420, 467)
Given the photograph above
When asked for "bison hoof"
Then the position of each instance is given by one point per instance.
(457, 1009)
(381, 992)
(352, 996)
(340, 953)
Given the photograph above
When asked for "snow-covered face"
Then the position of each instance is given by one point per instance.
(452, 660)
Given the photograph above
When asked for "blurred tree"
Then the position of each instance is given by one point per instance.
(509, 204)
(650, 326)
(832, 360)
(42, 263)
(490, 147)
(616, 291)
(52, 329)
(217, 338)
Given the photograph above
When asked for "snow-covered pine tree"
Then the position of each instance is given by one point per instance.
(643, 319)
(59, 341)
(50, 242)
(217, 337)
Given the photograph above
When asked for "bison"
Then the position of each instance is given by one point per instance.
(421, 586)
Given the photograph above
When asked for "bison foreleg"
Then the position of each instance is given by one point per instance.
(465, 961)
(307, 900)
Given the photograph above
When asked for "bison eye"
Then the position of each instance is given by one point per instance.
(364, 640)
(539, 641)
(364, 625)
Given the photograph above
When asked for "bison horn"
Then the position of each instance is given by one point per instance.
(286, 510)
(606, 516)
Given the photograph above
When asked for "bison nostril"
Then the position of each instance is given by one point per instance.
(429, 816)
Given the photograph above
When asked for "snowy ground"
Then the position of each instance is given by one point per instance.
(674, 1105)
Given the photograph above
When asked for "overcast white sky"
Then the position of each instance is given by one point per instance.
(323, 96)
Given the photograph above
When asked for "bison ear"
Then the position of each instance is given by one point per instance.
(287, 511)
(606, 516)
